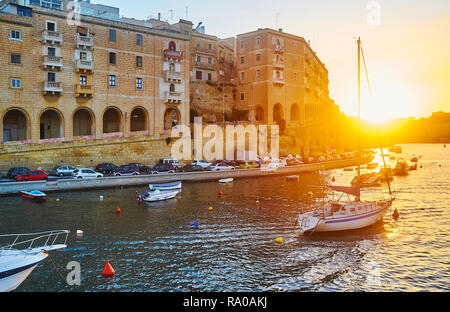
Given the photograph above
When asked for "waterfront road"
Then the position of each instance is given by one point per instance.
(58, 184)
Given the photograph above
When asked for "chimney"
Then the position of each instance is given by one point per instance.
(280, 29)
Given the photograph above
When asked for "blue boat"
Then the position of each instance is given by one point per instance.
(166, 186)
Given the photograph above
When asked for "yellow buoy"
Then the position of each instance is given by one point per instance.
(279, 240)
(57, 199)
(210, 208)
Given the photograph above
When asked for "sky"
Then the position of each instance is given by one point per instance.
(405, 42)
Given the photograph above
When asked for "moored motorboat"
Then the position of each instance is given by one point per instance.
(229, 180)
(33, 194)
(159, 195)
(19, 258)
(367, 180)
(401, 168)
(413, 167)
(166, 186)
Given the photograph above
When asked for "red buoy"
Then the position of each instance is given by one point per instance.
(118, 209)
(219, 192)
(108, 270)
(395, 215)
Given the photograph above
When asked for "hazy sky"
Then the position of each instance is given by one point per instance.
(407, 52)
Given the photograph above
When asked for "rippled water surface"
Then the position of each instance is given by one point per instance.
(152, 247)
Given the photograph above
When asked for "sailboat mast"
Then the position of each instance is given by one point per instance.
(359, 109)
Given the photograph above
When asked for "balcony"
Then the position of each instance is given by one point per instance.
(84, 66)
(84, 90)
(53, 62)
(278, 81)
(52, 88)
(173, 55)
(84, 42)
(52, 37)
(278, 48)
(172, 76)
(173, 97)
(204, 65)
(278, 64)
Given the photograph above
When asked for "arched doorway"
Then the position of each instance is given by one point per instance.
(83, 123)
(277, 113)
(15, 126)
(259, 114)
(171, 118)
(51, 126)
(295, 113)
(112, 120)
(138, 120)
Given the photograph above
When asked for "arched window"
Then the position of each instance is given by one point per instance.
(82, 123)
(138, 120)
(172, 87)
(15, 126)
(112, 120)
(171, 118)
(295, 114)
(277, 113)
(259, 114)
(50, 125)
(172, 46)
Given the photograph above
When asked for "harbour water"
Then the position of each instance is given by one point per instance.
(153, 247)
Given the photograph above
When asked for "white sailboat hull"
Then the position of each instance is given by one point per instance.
(310, 222)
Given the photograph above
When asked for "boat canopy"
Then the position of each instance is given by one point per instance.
(351, 190)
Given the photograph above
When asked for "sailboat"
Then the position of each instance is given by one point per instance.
(339, 215)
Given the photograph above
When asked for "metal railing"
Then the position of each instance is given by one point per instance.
(20, 240)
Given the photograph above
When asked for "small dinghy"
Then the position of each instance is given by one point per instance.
(158, 196)
(226, 180)
(33, 194)
(166, 186)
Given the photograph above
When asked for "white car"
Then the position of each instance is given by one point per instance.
(172, 161)
(86, 173)
(221, 167)
(277, 163)
(201, 163)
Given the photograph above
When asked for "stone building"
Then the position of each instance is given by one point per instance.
(282, 81)
(99, 79)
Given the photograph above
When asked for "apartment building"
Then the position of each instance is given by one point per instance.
(105, 77)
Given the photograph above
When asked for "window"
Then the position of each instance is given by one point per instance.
(172, 87)
(16, 83)
(209, 76)
(139, 61)
(112, 58)
(258, 73)
(242, 96)
(242, 44)
(139, 40)
(210, 46)
(172, 46)
(199, 60)
(139, 83)
(258, 57)
(15, 35)
(51, 52)
(209, 61)
(258, 42)
(172, 67)
(83, 56)
(83, 80)
(112, 35)
(22, 11)
(199, 75)
(112, 80)
(199, 45)
(15, 59)
(51, 26)
(51, 77)
(242, 60)
(242, 75)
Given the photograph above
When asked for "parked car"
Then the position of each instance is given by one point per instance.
(62, 171)
(193, 168)
(222, 166)
(106, 168)
(32, 175)
(86, 173)
(126, 170)
(14, 172)
(169, 168)
(202, 163)
(143, 169)
(171, 161)
(249, 165)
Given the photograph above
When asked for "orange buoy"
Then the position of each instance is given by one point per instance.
(117, 209)
(396, 215)
(108, 270)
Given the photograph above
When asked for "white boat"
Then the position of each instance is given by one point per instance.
(19, 258)
(226, 180)
(166, 186)
(331, 215)
(33, 194)
(159, 196)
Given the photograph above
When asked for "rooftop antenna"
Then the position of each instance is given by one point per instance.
(171, 14)
(276, 20)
